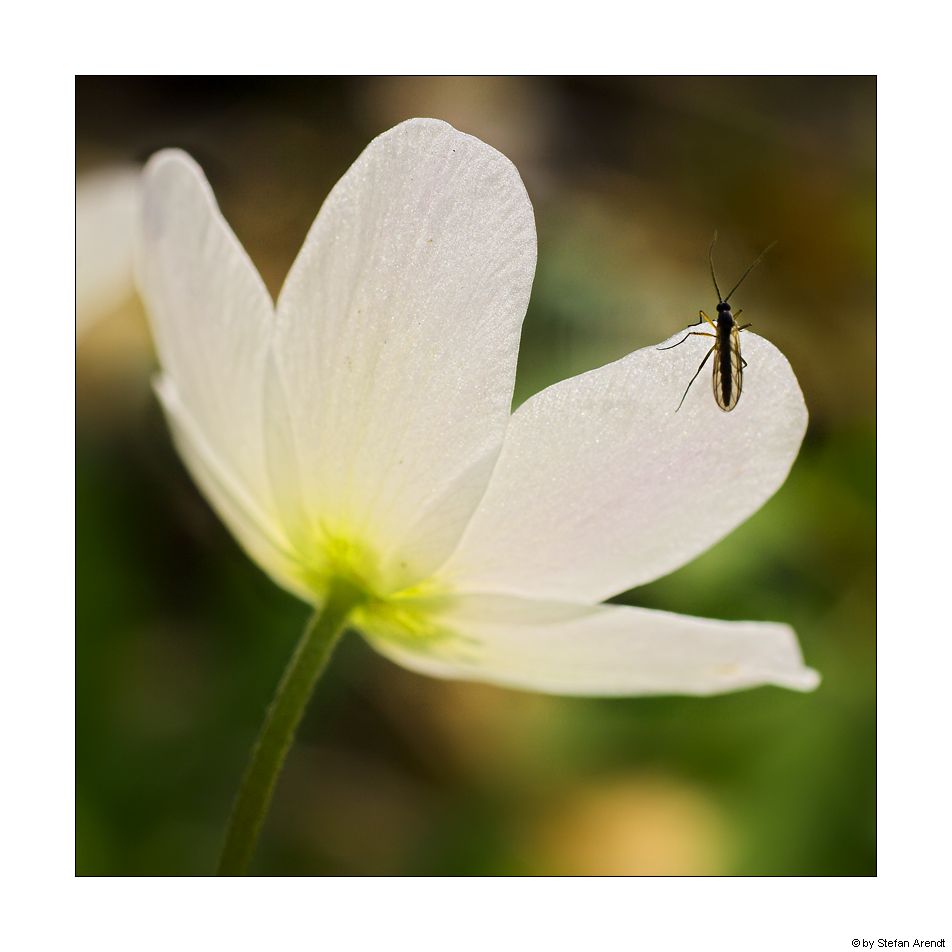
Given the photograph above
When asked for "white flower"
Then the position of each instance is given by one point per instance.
(361, 429)
(107, 202)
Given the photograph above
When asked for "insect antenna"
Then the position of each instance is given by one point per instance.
(751, 268)
(710, 255)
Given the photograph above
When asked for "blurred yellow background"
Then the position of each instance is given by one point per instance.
(181, 640)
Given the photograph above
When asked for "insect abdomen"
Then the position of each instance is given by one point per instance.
(727, 363)
(726, 374)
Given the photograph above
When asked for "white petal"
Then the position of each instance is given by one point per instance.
(610, 650)
(210, 315)
(397, 337)
(602, 486)
(261, 537)
(107, 203)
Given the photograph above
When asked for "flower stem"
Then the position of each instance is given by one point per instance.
(305, 667)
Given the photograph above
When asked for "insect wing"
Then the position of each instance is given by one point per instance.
(728, 400)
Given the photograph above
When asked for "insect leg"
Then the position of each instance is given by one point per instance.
(703, 362)
(703, 317)
(743, 327)
(686, 336)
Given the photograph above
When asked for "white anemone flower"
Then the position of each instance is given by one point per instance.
(361, 429)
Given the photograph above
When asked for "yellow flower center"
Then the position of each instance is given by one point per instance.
(407, 616)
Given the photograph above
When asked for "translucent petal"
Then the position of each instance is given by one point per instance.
(211, 317)
(602, 486)
(261, 537)
(611, 650)
(396, 342)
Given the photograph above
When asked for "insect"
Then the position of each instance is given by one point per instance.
(728, 363)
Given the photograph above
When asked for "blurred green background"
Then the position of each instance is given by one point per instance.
(181, 639)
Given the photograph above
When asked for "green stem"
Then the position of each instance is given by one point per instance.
(305, 667)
